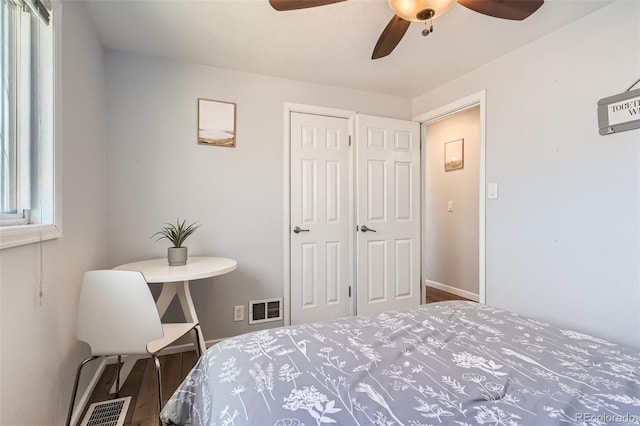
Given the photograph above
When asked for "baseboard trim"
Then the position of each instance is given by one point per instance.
(83, 401)
(452, 290)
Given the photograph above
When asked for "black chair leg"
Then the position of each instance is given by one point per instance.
(198, 350)
(75, 387)
(118, 376)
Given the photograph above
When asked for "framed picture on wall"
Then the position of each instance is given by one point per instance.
(454, 155)
(216, 123)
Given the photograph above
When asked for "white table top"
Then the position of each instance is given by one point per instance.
(159, 271)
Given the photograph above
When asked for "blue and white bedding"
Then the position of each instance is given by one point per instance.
(449, 363)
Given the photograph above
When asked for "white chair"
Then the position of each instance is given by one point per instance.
(117, 316)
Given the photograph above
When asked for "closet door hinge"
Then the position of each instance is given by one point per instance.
(349, 291)
(349, 140)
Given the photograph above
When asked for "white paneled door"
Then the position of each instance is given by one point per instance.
(320, 234)
(388, 214)
(375, 228)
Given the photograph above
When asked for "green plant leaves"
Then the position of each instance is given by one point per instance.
(176, 233)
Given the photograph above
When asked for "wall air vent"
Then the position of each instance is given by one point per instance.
(265, 310)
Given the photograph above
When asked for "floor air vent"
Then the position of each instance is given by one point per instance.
(107, 413)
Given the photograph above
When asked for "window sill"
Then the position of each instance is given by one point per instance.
(13, 236)
(13, 220)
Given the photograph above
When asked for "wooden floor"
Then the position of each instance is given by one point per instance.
(142, 386)
(435, 295)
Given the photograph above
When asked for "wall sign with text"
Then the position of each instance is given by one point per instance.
(619, 113)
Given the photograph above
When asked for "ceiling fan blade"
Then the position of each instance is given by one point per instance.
(516, 10)
(390, 37)
(282, 5)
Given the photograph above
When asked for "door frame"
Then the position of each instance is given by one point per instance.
(289, 108)
(476, 99)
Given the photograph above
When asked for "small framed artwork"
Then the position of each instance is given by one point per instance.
(216, 123)
(454, 155)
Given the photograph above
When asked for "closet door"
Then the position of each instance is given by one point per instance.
(320, 206)
(388, 214)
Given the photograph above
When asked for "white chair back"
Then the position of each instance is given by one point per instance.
(117, 313)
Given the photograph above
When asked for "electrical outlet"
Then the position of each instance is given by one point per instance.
(238, 313)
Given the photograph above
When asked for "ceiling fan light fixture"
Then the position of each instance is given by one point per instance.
(420, 10)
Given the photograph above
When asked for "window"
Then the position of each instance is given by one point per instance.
(27, 160)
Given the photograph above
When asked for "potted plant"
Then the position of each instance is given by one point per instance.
(177, 234)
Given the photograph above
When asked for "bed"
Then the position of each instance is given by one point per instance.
(448, 363)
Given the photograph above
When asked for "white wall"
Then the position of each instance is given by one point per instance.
(38, 347)
(157, 172)
(563, 238)
(451, 238)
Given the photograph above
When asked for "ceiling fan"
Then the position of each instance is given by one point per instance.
(407, 11)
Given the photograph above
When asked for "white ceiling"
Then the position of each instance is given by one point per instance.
(330, 45)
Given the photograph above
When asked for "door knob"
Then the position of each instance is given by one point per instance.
(297, 230)
(365, 228)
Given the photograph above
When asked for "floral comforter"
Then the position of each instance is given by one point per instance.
(449, 363)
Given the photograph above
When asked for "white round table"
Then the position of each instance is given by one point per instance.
(175, 282)
(159, 271)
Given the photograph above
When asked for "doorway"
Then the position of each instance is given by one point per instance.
(454, 199)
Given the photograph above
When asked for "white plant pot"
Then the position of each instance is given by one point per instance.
(177, 256)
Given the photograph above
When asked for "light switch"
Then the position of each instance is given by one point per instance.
(450, 206)
(492, 191)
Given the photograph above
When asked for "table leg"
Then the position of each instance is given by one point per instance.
(189, 310)
(167, 294)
